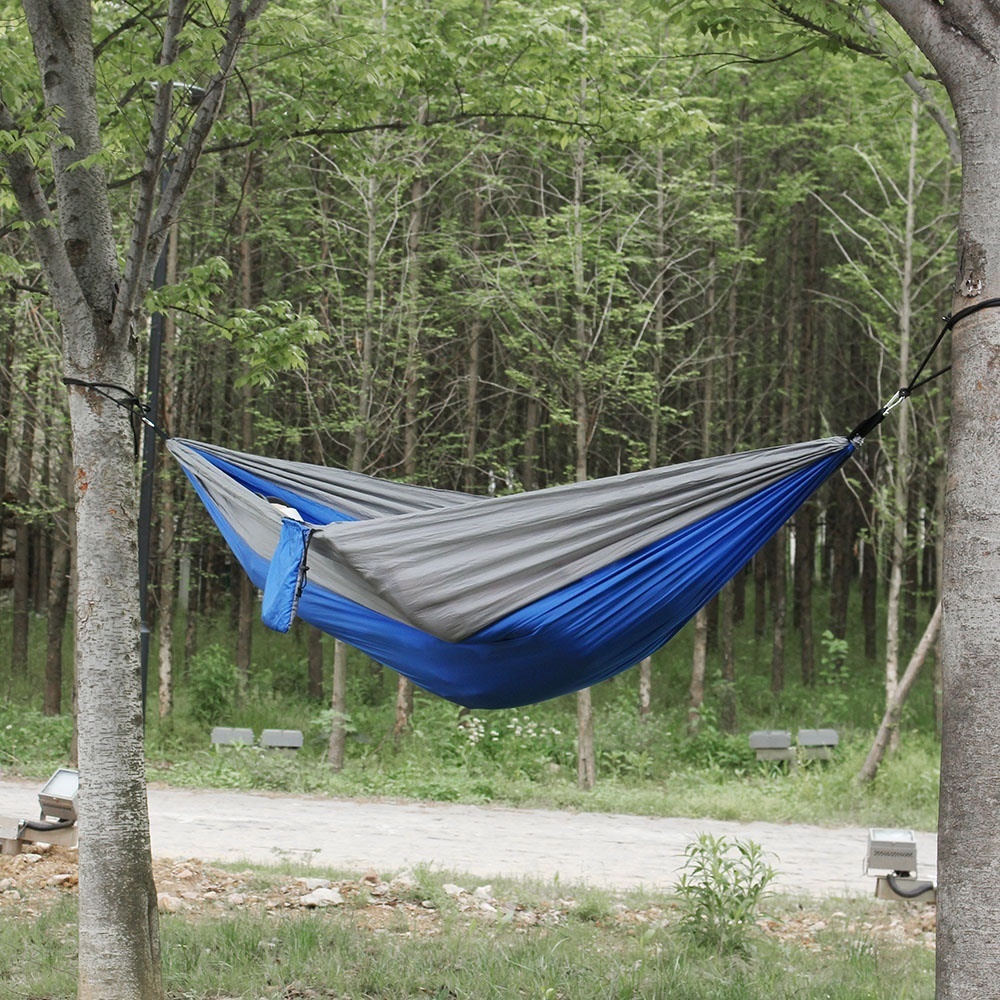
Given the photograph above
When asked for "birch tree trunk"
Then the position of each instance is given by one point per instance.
(962, 40)
(586, 757)
(98, 303)
(901, 463)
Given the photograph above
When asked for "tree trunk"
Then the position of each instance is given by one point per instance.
(166, 549)
(404, 708)
(56, 625)
(119, 932)
(805, 547)
(869, 596)
(779, 610)
(249, 274)
(474, 349)
(97, 295)
(6, 397)
(21, 619)
(901, 463)
(894, 709)
(699, 663)
(586, 760)
(338, 703)
(962, 40)
(727, 693)
(645, 687)
(314, 645)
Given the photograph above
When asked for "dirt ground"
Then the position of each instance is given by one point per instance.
(31, 881)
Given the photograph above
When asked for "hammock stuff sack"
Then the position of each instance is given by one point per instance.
(495, 602)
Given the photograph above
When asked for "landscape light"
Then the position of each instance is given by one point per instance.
(57, 798)
(894, 853)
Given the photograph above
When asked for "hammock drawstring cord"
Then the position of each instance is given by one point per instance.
(868, 425)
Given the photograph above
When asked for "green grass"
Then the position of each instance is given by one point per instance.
(524, 757)
(597, 946)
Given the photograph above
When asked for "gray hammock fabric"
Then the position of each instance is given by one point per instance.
(451, 564)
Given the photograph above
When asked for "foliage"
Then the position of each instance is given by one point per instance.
(213, 684)
(721, 888)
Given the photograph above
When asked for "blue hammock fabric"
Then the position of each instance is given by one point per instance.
(507, 601)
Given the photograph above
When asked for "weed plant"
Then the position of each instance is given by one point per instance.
(721, 888)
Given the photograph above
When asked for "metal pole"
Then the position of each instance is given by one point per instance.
(149, 466)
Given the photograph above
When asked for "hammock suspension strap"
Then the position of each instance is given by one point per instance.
(868, 425)
(124, 398)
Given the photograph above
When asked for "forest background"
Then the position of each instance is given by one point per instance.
(497, 248)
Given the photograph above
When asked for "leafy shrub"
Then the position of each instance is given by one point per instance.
(712, 748)
(212, 684)
(720, 889)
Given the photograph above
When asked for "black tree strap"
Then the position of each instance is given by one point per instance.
(124, 398)
(868, 425)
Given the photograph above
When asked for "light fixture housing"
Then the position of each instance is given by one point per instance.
(58, 796)
(892, 851)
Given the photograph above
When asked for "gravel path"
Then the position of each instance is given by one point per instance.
(614, 851)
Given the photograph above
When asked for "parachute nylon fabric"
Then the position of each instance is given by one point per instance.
(505, 601)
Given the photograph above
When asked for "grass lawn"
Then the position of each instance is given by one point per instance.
(264, 934)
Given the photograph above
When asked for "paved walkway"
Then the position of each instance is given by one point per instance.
(614, 851)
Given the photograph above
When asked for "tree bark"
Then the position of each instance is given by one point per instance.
(98, 302)
(21, 619)
(699, 662)
(58, 601)
(404, 708)
(314, 646)
(586, 759)
(338, 704)
(901, 463)
(894, 708)
(779, 610)
(962, 40)
(645, 687)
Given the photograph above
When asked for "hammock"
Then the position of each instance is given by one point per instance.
(501, 601)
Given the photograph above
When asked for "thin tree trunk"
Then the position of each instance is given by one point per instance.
(473, 360)
(58, 602)
(586, 757)
(586, 760)
(20, 626)
(404, 709)
(699, 661)
(314, 646)
(901, 469)
(6, 397)
(869, 597)
(894, 708)
(779, 610)
(166, 547)
(249, 253)
(645, 687)
(805, 549)
(338, 703)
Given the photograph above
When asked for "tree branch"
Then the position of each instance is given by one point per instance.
(843, 40)
(35, 209)
(150, 233)
(138, 256)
